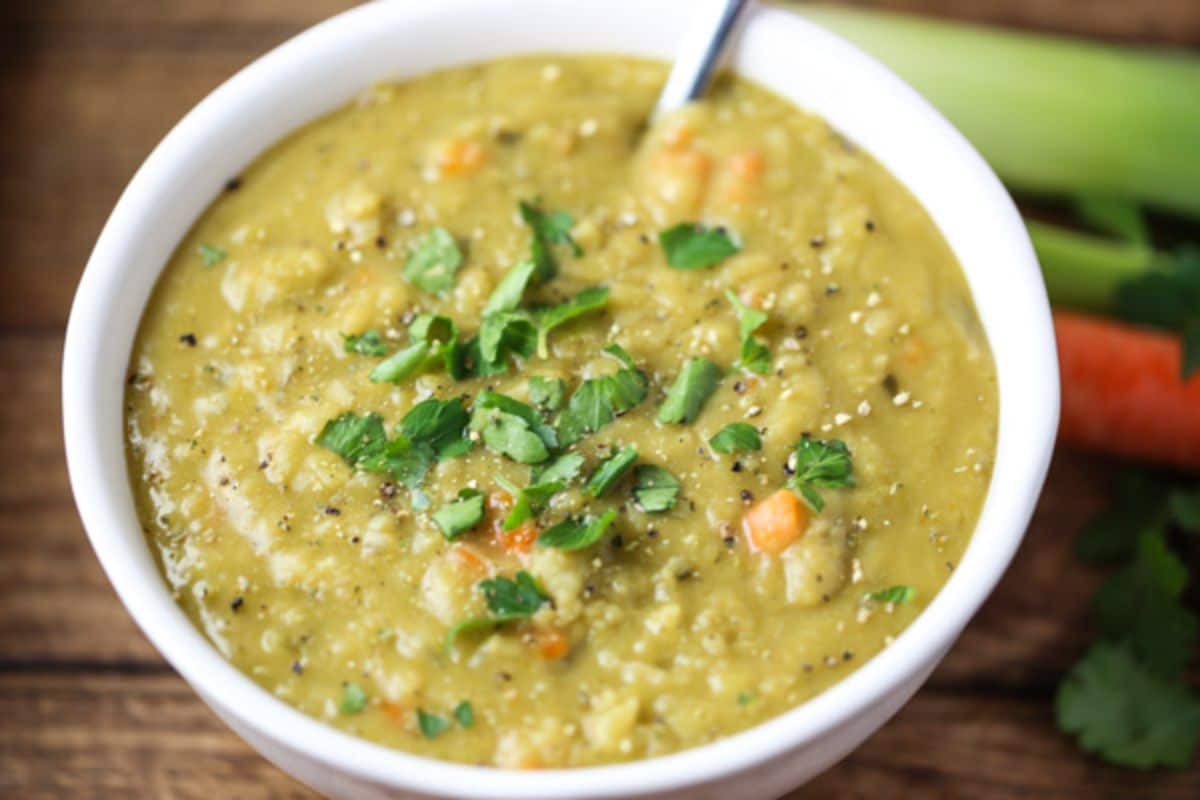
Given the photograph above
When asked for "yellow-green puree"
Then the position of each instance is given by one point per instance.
(763, 308)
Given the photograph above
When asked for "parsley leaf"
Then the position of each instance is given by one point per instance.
(562, 469)
(547, 319)
(513, 330)
(654, 488)
(365, 344)
(508, 600)
(610, 470)
(354, 699)
(508, 435)
(440, 424)
(529, 501)
(754, 356)
(547, 393)
(433, 260)
(689, 245)
(1126, 714)
(464, 714)
(1112, 535)
(696, 382)
(576, 534)
(820, 464)
(460, 516)
(529, 415)
(433, 338)
(431, 725)
(508, 293)
(1140, 605)
(211, 254)
(896, 595)
(354, 438)
(548, 229)
(598, 401)
(736, 437)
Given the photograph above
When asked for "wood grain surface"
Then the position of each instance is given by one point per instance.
(87, 707)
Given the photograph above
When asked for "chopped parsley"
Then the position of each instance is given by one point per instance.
(654, 488)
(354, 438)
(547, 393)
(547, 319)
(508, 293)
(433, 260)
(549, 228)
(512, 428)
(211, 254)
(503, 332)
(431, 725)
(564, 468)
(689, 245)
(1126, 714)
(576, 534)
(461, 515)
(433, 338)
(365, 344)
(508, 600)
(464, 714)
(754, 355)
(895, 595)
(598, 401)
(696, 382)
(736, 437)
(610, 470)
(820, 465)
(354, 699)
(744, 698)
(529, 501)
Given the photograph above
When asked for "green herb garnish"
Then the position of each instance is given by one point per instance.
(461, 515)
(431, 725)
(754, 355)
(354, 699)
(820, 465)
(547, 319)
(744, 698)
(547, 393)
(610, 470)
(212, 254)
(689, 245)
(896, 595)
(696, 382)
(365, 344)
(654, 488)
(736, 437)
(354, 438)
(508, 293)
(464, 714)
(512, 428)
(549, 228)
(433, 261)
(576, 534)
(598, 401)
(433, 339)
(508, 600)
(564, 468)
(529, 501)
(1124, 713)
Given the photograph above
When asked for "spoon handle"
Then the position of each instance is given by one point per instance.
(699, 53)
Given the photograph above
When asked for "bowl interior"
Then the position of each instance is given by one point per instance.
(326, 66)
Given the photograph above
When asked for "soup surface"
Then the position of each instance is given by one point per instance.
(481, 420)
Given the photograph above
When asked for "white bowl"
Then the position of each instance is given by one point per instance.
(323, 68)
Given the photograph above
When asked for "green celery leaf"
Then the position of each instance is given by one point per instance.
(433, 261)
(736, 437)
(696, 382)
(654, 488)
(689, 245)
(576, 534)
(609, 471)
(1126, 714)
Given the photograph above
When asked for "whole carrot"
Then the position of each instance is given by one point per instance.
(1122, 392)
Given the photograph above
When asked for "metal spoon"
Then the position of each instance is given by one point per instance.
(702, 47)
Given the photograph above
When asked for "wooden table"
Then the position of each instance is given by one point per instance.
(88, 708)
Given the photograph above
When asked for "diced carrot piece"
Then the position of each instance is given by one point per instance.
(551, 643)
(396, 712)
(748, 165)
(914, 350)
(677, 135)
(460, 157)
(775, 522)
(469, 559)
(520, 539)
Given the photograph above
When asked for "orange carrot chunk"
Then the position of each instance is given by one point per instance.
(1122, 393)
(774, 523)
(551, 644)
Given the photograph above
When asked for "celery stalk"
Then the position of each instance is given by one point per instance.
(1083, 271)
(1051, 114)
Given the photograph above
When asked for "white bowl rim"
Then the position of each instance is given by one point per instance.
(103, 504)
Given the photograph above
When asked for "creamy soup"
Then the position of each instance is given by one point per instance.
(483, 419)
